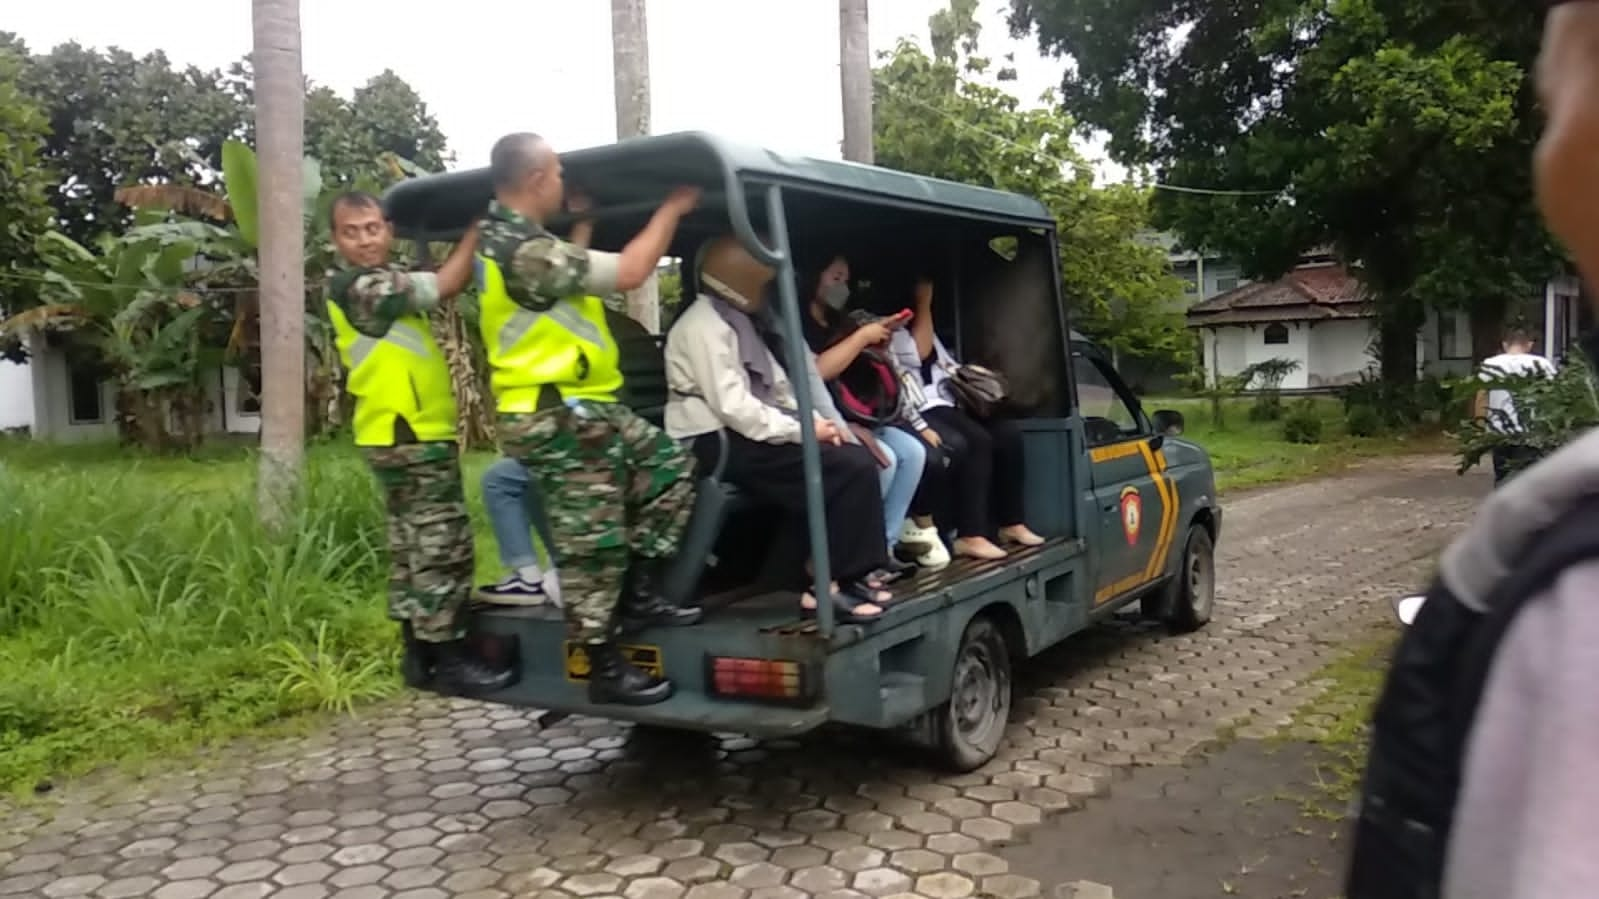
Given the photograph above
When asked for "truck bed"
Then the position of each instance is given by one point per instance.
(765, 625)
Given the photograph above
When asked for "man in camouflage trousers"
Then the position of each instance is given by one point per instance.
(405, 425)
(618, 490)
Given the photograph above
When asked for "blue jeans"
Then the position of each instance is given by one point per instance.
(514, 509)
(907, 458)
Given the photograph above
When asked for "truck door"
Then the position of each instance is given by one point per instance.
(1135, 502)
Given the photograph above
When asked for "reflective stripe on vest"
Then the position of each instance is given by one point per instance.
(402, 374)
(568, 346)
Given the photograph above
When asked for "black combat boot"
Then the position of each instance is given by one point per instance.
(642, 604)
(416, 665)
(460, 671)
(613, 680)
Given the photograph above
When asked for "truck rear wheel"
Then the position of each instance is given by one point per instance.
(1184, 605)
(969, 728)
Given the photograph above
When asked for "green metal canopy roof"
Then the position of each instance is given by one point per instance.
(627, 179)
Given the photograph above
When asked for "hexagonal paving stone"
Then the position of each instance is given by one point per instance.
(881, 881)
(717, 891)
(1010, 886)
(819, 879)
(945, 885)
(654, 888)
(760, 874)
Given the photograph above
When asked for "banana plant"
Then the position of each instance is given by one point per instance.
(129, 307)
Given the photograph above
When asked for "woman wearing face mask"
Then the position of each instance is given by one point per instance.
(903, 457)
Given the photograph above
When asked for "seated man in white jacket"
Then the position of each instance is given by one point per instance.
(723, 376)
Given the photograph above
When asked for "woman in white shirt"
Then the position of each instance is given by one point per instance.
(723, 377)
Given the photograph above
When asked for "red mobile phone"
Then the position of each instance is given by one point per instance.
(900, 318)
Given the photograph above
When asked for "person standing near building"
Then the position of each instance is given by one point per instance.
(1497, 406)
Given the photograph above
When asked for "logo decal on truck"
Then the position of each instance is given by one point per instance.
(1132, 514)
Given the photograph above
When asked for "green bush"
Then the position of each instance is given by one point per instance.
(1363, 421)
(1266, 407)
(1302, 424)
(143, 608)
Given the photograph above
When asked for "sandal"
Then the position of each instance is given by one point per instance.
(866, 591)
(1020, 535)
(844, 611)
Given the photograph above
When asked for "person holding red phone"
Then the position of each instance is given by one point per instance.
(852, 353)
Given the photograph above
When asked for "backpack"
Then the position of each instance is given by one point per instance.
(1425, 712)
(868, 391)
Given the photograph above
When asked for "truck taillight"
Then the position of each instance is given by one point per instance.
(774, 680)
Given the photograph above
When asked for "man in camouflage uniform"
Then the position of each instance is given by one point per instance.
(405, 425)
(615, 486)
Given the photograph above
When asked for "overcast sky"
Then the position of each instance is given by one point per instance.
(759, 71)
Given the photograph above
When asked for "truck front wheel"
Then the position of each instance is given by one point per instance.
(969, 728)
(1184, 604)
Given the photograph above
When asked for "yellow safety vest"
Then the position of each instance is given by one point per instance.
(402, 374)
(569, 346)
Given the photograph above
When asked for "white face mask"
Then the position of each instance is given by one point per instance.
(836, 295)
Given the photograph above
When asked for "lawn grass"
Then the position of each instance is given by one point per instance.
(1338, 721)
(143, 611)
(1255, 454)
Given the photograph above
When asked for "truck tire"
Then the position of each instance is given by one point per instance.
(968, 729)
(1184, 605)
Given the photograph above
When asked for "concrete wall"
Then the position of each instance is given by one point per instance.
(1339, 352)
(1328, 353)
(53, 417)
(16, 396)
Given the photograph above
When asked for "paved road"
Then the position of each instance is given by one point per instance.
(431, 799)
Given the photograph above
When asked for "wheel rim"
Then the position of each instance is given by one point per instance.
(1201, 583)
(977, 699)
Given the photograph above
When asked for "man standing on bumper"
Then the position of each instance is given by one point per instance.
(615, 486)
(405, 425)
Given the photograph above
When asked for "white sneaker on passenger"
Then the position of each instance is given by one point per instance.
(936, 556)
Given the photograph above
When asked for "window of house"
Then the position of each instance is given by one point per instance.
(85, 399)
(1226, 283)
(1454, 335)
(1107, 414)
(1190, 286)
(1276, 335)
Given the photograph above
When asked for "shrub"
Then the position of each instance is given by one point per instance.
(1266, 407)
(1302, 424)
(1363, 421)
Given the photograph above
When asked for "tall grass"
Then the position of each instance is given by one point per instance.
(143, 607)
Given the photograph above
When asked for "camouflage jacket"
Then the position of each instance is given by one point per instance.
(539, 268)
(374, 298)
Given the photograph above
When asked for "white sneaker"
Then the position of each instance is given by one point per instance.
(936, 557)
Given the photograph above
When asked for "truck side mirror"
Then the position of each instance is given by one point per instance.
(1168, 422)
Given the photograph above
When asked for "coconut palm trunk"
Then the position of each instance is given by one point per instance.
(855, 79)
(280, 137)
(630, 64)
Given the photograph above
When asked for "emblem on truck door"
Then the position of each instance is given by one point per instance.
(1132, 514)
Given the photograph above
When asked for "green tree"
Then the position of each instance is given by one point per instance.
(117, 119)
(24, 185)
(1398, 131)
(935, 116)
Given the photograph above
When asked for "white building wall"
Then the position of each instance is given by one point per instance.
(16, 396)
(1339, 351)
(1297, 349)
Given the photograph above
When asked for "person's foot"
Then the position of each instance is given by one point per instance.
(935, 557)
(514, 590)
(914, 540)
(459, 671)
(844, 611)
(1020, 534)
(979, 548)
(612, 680)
